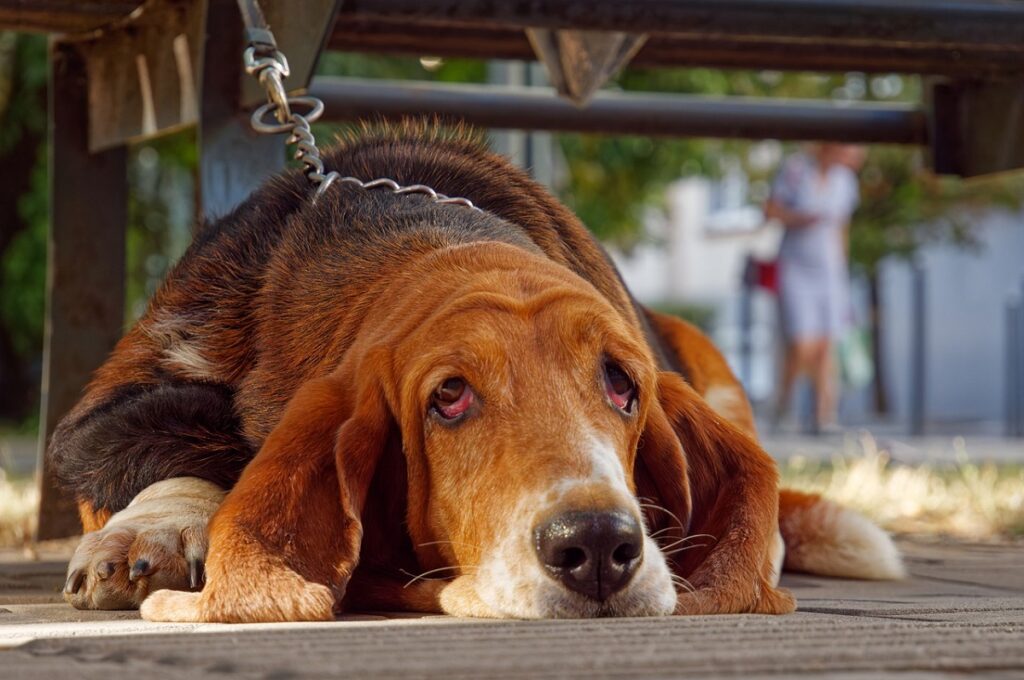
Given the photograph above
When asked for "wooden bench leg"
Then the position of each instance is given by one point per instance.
(85, 269)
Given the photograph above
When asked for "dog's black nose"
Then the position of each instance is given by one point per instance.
(593, 553)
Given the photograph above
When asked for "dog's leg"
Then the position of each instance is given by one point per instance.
(705, 368)
(158, 541)
(147, 465)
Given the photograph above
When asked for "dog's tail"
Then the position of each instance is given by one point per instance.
(823, 537)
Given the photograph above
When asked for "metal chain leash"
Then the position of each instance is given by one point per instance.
(264, 61)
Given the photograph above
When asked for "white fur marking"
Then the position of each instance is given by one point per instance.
(510, 582)
(605, 463)
(830, 540)
(190, 360)
(172, 333)
(727, 401)
(777, 556)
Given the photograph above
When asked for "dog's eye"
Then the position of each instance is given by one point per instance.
(619, 387)
(452, 398)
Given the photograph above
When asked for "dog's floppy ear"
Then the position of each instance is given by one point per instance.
(287, 539)
(729, 492)
(661, 476)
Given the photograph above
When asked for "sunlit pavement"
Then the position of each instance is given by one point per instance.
(961, 611)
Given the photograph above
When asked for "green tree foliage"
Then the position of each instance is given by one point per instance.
(904, 207)
(23, 255)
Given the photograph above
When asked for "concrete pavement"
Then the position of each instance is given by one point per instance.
(962, 611)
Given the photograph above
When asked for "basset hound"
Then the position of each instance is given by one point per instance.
(380, 401)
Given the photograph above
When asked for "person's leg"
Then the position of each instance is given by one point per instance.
(798, 361)
(823, 375)
(824, 370)
(797, 320)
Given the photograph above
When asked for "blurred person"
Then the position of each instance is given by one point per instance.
(814, 196)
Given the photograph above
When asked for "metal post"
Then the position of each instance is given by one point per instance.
(1014, 356)
(233, 160)
(1017, 348)
(85, 272)
(918, 350)
(747, 322)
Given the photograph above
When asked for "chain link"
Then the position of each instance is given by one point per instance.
(270, 67)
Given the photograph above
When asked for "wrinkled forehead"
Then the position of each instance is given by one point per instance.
(503, 332)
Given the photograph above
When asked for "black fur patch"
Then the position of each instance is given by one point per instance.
(145, 434)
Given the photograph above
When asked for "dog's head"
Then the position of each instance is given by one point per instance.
(522, 398)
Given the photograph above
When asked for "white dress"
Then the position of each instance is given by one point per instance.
(813, 277)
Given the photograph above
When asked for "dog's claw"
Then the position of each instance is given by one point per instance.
(196, 573)
(139, 569)
(105, 570)
(74, 582)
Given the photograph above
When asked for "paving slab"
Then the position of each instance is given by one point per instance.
(960, 613)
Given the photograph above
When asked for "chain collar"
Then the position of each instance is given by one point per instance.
(397, 188)
(264, 61)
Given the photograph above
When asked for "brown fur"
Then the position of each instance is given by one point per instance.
(329, 325)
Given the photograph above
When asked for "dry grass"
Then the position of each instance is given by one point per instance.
(965, 501)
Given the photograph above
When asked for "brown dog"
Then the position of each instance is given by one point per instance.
(426, 407)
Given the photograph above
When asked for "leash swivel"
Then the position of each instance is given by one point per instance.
(265, 62)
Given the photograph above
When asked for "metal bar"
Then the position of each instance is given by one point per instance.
(622, 113)
(746, 324)
(1014, 356)
(1019, 349)
(86, 267)
(925, 22)
(444, 39)
(918, 350)
(233, 160)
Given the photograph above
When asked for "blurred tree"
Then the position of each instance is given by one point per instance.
(22, 219)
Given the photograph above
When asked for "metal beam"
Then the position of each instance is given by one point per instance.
(622, 113)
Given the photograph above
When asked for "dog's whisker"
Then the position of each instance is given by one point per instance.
(662, 531)
(424, 575)
(667, 553)
(686, 539)
(673, 544)
(471, 545)
(653, 506)
(683, 583)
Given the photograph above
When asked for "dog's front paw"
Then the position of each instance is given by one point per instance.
(157, 542)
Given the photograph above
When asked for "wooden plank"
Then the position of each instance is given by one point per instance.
(85, 273)
(357, 33)
(144, 73)
(963, 24)
(63, 16)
